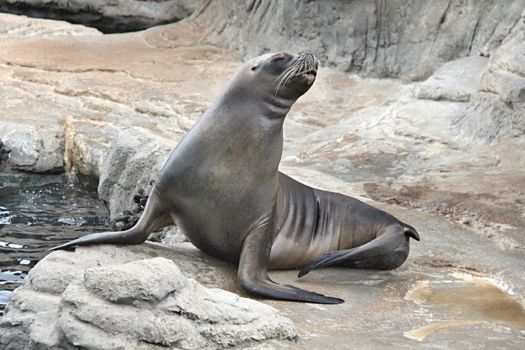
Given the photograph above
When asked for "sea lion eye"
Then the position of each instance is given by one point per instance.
(277, 58)
(254, 68)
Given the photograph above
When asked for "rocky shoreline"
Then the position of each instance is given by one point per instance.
(447, 144)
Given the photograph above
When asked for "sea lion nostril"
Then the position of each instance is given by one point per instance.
(308, 57)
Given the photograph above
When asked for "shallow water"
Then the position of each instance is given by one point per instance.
(38, 212)
(466, 301)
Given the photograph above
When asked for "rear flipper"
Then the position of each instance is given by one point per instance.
(253, 270)
(387, 251)
(154, 217)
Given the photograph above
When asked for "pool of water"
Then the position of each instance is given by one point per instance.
(465, 300)
(38, 212)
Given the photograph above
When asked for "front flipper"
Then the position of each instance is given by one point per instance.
(120, 237)
(154, 217)
(253, 269)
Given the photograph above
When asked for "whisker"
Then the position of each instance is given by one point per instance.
(302, 66)
(285, 77)
(280, 78)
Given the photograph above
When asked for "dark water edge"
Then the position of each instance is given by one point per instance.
(38, 212)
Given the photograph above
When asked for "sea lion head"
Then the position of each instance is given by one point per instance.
(283, 74)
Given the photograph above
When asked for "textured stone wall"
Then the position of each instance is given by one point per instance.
(498, 108)
(395, 38)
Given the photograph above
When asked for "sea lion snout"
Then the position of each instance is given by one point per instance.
(297, 75)
(310, 59)
(309, 64)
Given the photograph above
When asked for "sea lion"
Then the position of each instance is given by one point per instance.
(221, 184)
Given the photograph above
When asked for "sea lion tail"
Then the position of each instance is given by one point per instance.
(411, 232)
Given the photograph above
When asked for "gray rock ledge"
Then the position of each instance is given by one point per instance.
(122, 298)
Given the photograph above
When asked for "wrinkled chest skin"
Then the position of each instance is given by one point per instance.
(305, 228)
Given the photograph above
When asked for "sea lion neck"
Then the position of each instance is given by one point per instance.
(277, 106)
(253, 103)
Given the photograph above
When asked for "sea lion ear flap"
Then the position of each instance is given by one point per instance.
(254, 67)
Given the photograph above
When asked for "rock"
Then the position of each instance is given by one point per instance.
(498, 108)
(25, 147)
(383, 39)
(109, 16)
(5, 297)
(85, 147)
(108, 303)
(22, 26)
(4, 155)
(128, 219)
(454, 81)
(170, 236)
(489, 118)
(35, 150)
(132, 163)
(461, 206)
